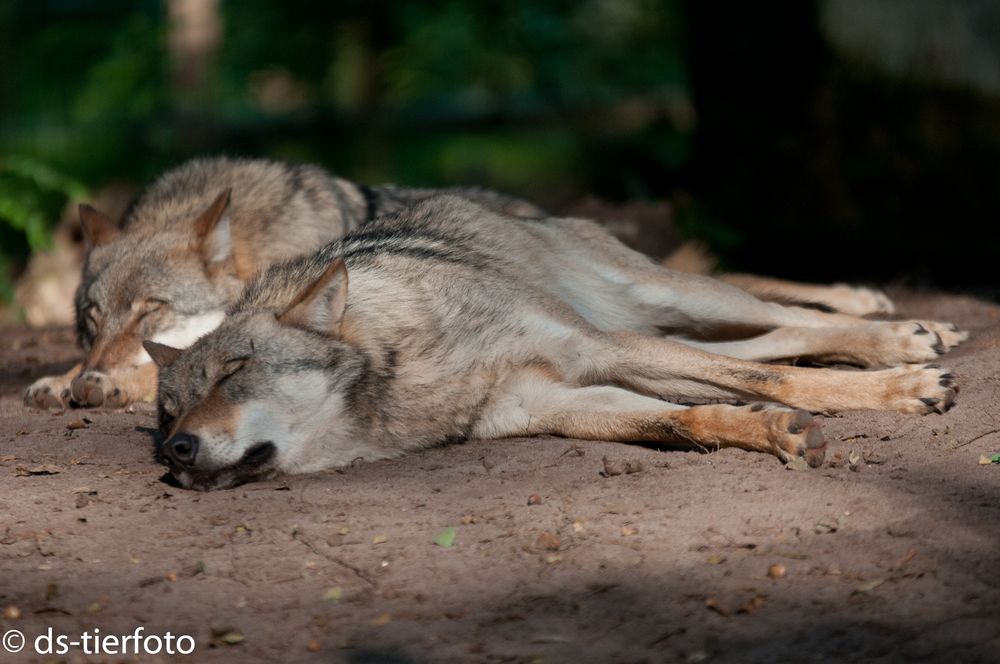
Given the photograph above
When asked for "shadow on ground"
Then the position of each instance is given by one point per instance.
(893, 562)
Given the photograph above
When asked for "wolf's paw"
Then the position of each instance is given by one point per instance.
(48, 392)
(93, 389)
(947, 334)
(860, 301)
(794, 433)
(920, 389)
(894, 344)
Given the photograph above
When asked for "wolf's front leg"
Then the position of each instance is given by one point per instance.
(115, 388)
(876, 344)
(695, 303)
(51, 391)
(841, 298)
(669, 369)
(535, 404)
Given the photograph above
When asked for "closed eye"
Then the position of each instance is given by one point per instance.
(232, 366)
(151, 305)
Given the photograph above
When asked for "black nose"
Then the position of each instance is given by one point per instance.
(181, 449)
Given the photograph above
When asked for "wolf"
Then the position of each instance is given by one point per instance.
(184, 250)
(449, 321)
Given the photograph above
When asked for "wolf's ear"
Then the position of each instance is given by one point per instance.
(98, 228)
(212, 235)
(162, 354)
(320, 305)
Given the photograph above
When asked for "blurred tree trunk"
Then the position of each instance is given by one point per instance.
(193, 38)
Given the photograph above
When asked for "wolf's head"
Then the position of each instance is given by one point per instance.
(271, 390)
(169, 286)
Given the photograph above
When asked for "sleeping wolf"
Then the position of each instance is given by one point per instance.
(448, 321)
(185, 249)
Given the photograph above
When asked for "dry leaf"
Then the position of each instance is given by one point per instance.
(854, 460)
(824, 527)
(230, 637)
(751, 604)
(549, 541)
(610, 468)
(715, 605)
(43, 469)
(628, 531)
(871, 585)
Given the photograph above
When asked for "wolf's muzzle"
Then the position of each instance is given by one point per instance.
(181, 450)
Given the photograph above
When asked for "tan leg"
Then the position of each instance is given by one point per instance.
(851, 300)
(692, 303)
(668, 369)
(533, 404)
(51, 391)
(877, 344)
(116, 387)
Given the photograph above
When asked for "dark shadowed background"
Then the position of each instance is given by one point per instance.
(820, 140)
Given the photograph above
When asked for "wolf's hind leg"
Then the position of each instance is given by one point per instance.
(535, 405)
(877, 344)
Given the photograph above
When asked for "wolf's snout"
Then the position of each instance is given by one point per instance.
(181, 450)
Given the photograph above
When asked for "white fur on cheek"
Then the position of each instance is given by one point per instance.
(187, 331)
(304, 422)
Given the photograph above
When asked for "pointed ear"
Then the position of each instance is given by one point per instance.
(320, 305)
(212, 235)
(162, 354)
(98, 228)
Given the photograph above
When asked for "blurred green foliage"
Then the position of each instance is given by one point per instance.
(771, 144)
(533, 96)
(29, 193)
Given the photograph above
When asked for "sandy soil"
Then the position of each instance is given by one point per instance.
(897, 560)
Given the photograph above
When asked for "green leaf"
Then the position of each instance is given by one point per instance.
(446, 538)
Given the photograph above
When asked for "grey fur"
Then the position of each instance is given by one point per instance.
(462, 322)
(150, 281)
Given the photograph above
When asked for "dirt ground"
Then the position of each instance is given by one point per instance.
(896, 560)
